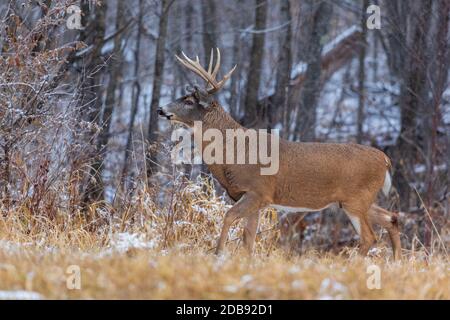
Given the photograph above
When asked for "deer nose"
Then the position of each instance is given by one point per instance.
(164, 114)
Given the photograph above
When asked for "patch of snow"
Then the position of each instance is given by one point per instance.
(246, 278)
(14, 247)
(374, 252)
(333, 43)
(20, 295)
(331, 289)
(298, 284)
(108, 47)
(231, 288)
(182, 223)
(338, 105)
(421, 168)
(298, 69)
(294, 269)
(161, 285)
(124, 241)
(11, 247)
(199, 209)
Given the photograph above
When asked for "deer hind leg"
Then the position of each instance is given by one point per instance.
(388, 220)
(292, 226)
(250, 232)
(248, 205)
(357, 214)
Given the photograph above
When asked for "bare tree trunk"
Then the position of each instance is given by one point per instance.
(157, 82)
(439, 75)
(92, 96)
(174, 25)
(412, 95)
(433, 116)
(396, 33)
(361, 74)
(135, 95)
(251, 117)
(115, 70)
(209, 27)
(283, 74)
(306, 114)
(189, 13)
(235, 80)
(209, 37)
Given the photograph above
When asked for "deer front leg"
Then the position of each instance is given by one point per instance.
(248, 205)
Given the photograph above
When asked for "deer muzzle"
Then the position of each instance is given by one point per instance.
(164, 114)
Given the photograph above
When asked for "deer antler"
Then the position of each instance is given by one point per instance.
(210, 75)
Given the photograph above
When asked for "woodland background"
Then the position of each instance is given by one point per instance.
(80, 137)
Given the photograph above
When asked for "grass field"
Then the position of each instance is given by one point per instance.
(151, 252)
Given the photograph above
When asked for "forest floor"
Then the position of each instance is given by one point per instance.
(148, 253)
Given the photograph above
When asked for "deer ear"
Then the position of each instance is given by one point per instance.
(203, 97)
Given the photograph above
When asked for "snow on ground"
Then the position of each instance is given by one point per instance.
(124, 241)
(119, 243)
(12, 247)
(298, 69)
(331, 289)
(16, 247)
(20, 295)
(344, 34)
(338, 105)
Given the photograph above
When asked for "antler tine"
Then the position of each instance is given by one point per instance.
(184, 63)
(194, 66)
(227, 76)
(217, 66)
(191, 63)
(211, 58)
(210, 75)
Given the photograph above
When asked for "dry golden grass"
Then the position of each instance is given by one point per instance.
(147, 274)
(151, 252)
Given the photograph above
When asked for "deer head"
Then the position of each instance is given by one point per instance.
(194, 105)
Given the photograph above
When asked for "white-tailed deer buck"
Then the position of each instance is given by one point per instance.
(311, 176)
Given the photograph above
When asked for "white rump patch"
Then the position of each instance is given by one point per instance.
(387, 183)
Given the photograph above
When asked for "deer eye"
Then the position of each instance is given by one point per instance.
(189, 102)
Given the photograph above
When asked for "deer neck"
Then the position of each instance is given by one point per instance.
(218, 118)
